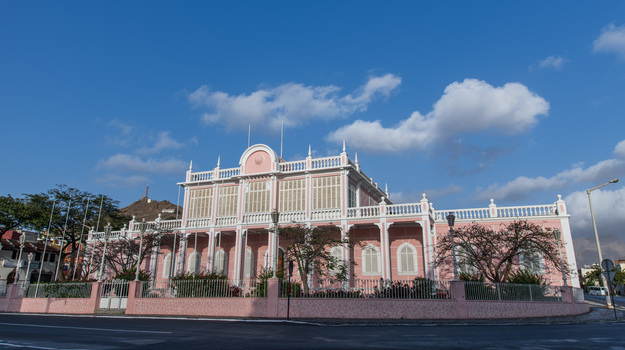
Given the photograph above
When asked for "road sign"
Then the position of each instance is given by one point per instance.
(608, 267)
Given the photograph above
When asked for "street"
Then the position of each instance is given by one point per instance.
(63, 332)
(619, 301)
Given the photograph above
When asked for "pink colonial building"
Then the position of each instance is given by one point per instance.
(226, 225)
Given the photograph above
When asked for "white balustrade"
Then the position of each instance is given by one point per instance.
(327, 162)
(254, 218)
(197, 223)
(326, 214)
(299, 165)
(169, 224)
(203, 176)
(364, 212)
(227, 221)
(528, 210)
(228, 173)
(294, 216)
(403, 209)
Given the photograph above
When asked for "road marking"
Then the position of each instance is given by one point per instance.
(26, 346)
(83, 328)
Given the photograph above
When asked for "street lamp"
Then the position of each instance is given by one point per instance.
(19, 259)
(557, 235)
(275, 217)
(594, 224)
(107, 231)
(451, 218)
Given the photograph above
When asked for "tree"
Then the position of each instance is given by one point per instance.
(121, 254)
(496, 254)
(70, 209)
(310, 248)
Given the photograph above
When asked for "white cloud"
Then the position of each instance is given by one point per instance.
(611, 40)
(555, 62)
(294, 103)
(518, 188)
(163, 142)
(469, 107)
(129, 163)
(114, 180)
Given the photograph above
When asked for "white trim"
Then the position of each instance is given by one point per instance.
(413, 253)
(376, 249)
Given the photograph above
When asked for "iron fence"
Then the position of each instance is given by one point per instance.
(60, 290)
(202, 288)
(368, 288)
(511, 292)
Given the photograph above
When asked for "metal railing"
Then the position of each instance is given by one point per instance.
(203, 288)
(60, 290)
(511, 292)
(369, 288)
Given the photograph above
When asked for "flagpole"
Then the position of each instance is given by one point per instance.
(82, 230)
(43, 258)
(281, 137)
(58, 264)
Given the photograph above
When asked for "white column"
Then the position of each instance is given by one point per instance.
(568, 241)
(210, 258)
(237, 254)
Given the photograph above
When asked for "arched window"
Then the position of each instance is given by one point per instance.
(465, 261)
(407, 259)
(221, 262)
(268, 263)
(371, 260)
(337, 254)
(195, 262)
(167, 265)
(250, 269)
(532, 261)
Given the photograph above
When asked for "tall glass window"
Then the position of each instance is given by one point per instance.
(292, 195)
(407, 259)
(326, 192)
(371, 260)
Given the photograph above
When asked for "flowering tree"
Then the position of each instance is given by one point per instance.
(494, 255)
(310, 248)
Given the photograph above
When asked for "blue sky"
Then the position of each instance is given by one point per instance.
(516, 101)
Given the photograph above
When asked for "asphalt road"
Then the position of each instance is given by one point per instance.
(58, 332)
(618, 300)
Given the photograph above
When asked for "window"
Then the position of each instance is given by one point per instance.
(221, 262)
(337, 254)
(353, 196)
(532, 261)
(465, 262)
(167, 265)
(292, 195)
(371, 260)
(200, 202)
(195, 262)
(257, 196)
(228, 197)
(407, 259)
(326, 192)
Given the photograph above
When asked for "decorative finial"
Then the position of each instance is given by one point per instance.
(386, 189)
(423, 194)
(492, 201)
(218, 160)
(559, 197)
(191, 165)
(309, 151)
(356, 157)
(343, 145)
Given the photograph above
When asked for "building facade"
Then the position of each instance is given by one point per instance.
(226, 224)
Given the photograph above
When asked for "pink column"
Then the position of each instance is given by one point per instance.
(94, 299)
(133, 288)
(273, 294)
(458, 295)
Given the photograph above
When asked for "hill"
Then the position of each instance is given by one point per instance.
(149, 209)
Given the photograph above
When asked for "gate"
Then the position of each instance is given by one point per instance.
(114, 295)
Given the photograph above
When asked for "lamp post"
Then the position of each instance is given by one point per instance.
(30, 259)
(594, 224)
(141, 232)
(19, 259)
(557, 235)
(451, 218)
(107, 231)
(275, 217)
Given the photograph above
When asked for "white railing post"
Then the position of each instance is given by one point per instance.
(492, 209)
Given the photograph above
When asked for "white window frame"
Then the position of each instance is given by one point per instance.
(337, 252)
(365, 271)
(401, 257)
(194, 263)
(221, 258)
(250, 268)
(228, 201)
(326, 192)
(166, 265)
(292, 195)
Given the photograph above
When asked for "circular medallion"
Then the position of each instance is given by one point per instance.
(258, 159)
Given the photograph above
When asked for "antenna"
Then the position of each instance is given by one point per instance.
(281, 137)
(249, 133)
